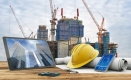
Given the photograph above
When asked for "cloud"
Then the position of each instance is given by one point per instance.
(107, 2)
(37, 12)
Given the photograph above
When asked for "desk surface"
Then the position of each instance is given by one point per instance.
(32, 74)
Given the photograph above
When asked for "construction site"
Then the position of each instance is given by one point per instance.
(68, 32)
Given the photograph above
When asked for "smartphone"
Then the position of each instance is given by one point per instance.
(105, 62)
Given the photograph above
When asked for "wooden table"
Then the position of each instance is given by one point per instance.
(32, 74)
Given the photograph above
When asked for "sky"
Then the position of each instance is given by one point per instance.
(29, 45)
(32, 13)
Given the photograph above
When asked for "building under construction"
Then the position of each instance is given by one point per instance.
(69, 32)
(42, 32)
(106, 46)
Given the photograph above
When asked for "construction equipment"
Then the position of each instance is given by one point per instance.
(19, 23)
(64, 17)
(100, 28)
(62, 13)
(31, 34)
(79, 41)
(53, 21)
(34, 36)
(77, 15)
(81, 55)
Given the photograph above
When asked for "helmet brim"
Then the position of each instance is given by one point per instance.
(70, 65)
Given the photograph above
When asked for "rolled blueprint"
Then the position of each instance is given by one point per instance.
(59, 61)
(117, 64)
(93, 63)
(67, 59)
(64, 60)
(129, 62)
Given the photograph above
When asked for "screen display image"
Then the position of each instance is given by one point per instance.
(105, 62)
(28, 53)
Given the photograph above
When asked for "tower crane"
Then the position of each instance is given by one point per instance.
(53, 20)
(19, 23)
(100, 27)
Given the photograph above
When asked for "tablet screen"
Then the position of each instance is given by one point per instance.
(25, 53)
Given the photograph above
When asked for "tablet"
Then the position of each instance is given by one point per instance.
(105, 62)
(25, 53)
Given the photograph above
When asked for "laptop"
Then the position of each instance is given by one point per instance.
(26, 53)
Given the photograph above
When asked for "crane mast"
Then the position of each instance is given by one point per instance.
(53, 21)
(17, 21)
(100, 28)
(51, 8)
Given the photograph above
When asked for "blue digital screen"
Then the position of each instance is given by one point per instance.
(28, 53)
(105, 62)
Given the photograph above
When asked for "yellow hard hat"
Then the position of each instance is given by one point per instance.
(81, 55)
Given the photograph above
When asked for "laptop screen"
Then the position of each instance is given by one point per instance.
(25, 53)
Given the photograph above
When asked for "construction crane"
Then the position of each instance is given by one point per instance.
(100, 28)
(18, 21)
(53, 21)
(19, 24)
(34, 36)
(31, 35)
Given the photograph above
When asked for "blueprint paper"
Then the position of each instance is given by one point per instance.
(118, 64)
(91, 70)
